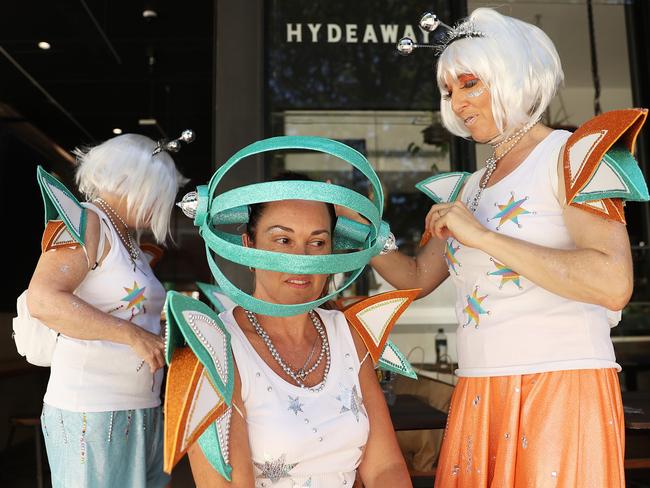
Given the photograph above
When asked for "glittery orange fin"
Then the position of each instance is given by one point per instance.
(599, 170)
(375, 317)
(192, 404)
(57, 235)
(611, 208)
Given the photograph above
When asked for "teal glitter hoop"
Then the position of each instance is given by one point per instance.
(232, 207)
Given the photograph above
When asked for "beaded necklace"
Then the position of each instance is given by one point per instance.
(491, 162)
(297, 375)
(127, 240)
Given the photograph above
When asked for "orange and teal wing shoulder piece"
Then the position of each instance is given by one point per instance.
(65, 217)
(600, 171)
(192, 406)
(392, 359)
(374, 319)
(443, 187)
(57, 235)
(200, 382)
(216, 296)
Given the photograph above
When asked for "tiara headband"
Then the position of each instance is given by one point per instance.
(210, 210)
(442, 35)
(174, 145)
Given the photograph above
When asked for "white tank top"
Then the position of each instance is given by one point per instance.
(301, 438)
(99, 376)
(507, 324)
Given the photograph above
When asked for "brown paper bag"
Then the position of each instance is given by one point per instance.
(422, 447)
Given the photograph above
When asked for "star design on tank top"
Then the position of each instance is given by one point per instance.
(511, 211)
(450, 256)
(294, 404)
(474, 310)
(351, 402)
(276, 469)
(507, 275)
(135, 298)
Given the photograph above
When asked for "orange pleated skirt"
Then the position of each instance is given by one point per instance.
(561, 429)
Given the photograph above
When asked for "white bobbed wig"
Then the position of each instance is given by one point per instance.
(516, 61)
(124, 166)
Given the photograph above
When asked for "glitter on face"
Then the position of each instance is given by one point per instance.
(476, 93)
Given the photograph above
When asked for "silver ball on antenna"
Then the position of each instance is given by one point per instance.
(429, 22)
(405, 46)
(173, 146)
(188, 136)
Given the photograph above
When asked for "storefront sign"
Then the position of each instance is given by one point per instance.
(351, 33)
(324, 55)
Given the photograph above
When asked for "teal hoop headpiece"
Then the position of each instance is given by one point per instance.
(231, 207)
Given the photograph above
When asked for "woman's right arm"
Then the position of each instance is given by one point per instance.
(427, 270)
(51, 299)
(205, 476)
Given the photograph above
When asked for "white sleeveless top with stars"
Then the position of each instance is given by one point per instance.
(507, 324)
(101, 376)
(300, 438)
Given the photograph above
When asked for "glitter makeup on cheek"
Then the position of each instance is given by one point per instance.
(466, 78)
(476, 93)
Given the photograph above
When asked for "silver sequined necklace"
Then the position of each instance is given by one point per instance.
(130, 245)
(297, 375)
(491, 163)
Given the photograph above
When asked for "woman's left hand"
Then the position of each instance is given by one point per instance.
(446, 220)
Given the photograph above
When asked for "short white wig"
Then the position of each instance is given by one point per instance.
(124, 166)
(516, 61)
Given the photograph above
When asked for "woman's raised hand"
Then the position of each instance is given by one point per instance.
(346, 212)
(446, 220)
(150, 347)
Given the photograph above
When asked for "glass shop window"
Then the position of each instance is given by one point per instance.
(332, 71)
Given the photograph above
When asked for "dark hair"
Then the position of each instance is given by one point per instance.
(257, 209)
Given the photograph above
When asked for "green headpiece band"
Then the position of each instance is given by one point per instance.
(211, 209)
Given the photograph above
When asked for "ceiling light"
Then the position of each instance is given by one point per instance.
(147, 121)
(117, 131)
(44, 45)
(149, 13)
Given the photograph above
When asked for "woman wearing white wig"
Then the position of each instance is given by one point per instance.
(536, 246)
(102, 420)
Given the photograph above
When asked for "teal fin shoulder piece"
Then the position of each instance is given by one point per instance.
(392, 359)
(173, 335)
(443, 187)
(214, 443)
(617, 176)
(216, 296)
(61, 204)
(207, 337)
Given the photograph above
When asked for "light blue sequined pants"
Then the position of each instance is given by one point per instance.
(105, 449)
